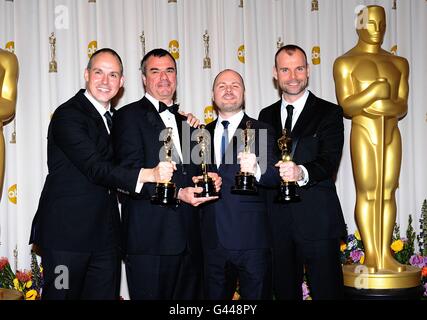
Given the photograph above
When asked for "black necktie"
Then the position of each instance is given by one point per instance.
(109, 118)
(172, 109)
(224, 139)
(288, 123)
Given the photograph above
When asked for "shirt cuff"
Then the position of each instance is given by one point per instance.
(139, 185)
(257, 173)
(305, 176)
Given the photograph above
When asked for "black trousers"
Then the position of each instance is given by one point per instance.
(223, 267)
(320, 259)
(159, 277)
(81, 275)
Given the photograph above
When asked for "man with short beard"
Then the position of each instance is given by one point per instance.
(306, 234)
(235, 234)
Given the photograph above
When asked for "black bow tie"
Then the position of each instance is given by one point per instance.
(172, 109)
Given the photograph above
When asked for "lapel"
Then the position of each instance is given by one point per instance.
(237, 140)
(277, 120)
(156, 121)
(235, 145)
(153, 115)
(179, 120)
(88, 108)
(211, 157)
(306, 116)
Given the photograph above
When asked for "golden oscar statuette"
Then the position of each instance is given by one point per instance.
(142, 40)
(279, 43)
(9, 69)
(372, 87)
(207, 59)
(205, 182)
(288, 191)
(53, 65)
(165, 193)
(245, 181)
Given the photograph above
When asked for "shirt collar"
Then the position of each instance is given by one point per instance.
(234, 120)
(298, 104)
(154, 101)
(99, 107)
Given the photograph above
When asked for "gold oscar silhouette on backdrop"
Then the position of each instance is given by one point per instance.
(8, 91)
(372, 87)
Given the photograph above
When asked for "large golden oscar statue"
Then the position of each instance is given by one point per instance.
(372, 87)
(8, 89)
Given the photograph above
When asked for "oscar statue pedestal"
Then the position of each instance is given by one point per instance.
(381, 285)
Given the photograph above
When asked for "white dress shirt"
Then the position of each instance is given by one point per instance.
(169, 120)
(99, 107)
(298, 107)
(234, 122)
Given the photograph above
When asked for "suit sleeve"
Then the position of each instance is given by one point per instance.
(263, 116)
(129, 147)
(270, 176)
(330, 143)
(71, 132)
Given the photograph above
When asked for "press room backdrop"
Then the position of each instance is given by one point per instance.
(243, 35)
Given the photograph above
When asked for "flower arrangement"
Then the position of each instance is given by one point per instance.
(352, 250)
(28, 282)
(403, 248)
(305, 291)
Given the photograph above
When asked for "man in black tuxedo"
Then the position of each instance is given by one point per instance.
(235, 232)
(77, 222)
(162, 243)
(306, 234)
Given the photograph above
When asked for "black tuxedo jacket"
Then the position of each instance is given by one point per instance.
(240, 222)
(318, 138)
(152, 229)
(78, 209)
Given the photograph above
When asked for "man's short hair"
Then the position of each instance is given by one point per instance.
(105, 50)
(159, 52)
(290, 50)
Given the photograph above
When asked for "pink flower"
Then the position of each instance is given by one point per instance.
(356, 255)
(417, 261)
(305, 291)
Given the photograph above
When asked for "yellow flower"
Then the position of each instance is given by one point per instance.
(357, 235)
(343, 246)
(16, 284)
(362, 259)
(28, 284)
(31, 295)
(397, 245)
